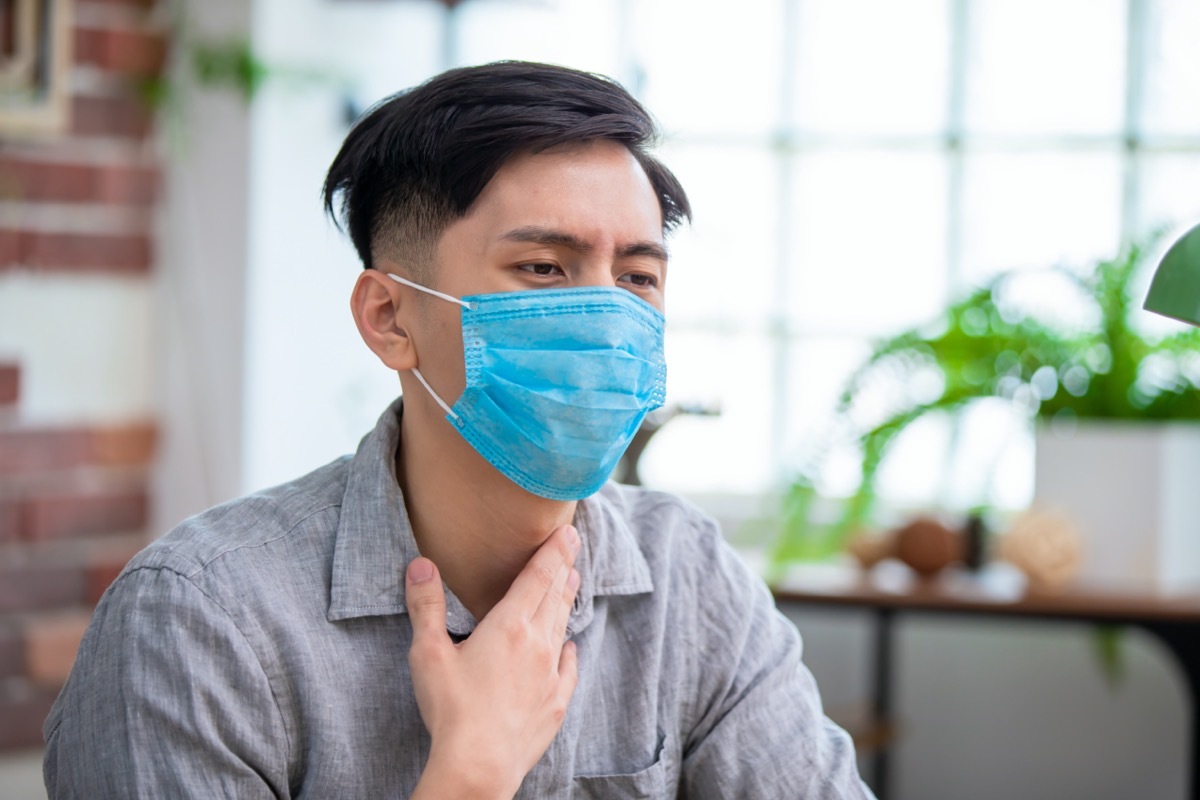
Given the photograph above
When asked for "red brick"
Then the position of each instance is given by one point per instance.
(146, 4)
(37, 588)
(125, 51)
(30, 450)
(10, 384)
(125, 116)
(50, 181)
(70, 515)
(101, 574)
(51, 645)
(23, 708)
(26, 451)
(128, 445)
(69, 252)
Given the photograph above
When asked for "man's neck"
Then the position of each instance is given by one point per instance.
(479, 527)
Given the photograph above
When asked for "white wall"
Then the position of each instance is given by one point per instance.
(201, 284)
(89, 360)
(312, 389)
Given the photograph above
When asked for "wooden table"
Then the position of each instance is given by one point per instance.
(1174, 619)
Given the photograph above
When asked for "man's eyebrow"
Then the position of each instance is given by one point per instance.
(537, 234)
(651, 249)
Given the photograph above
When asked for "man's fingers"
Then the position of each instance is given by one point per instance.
(545, 571)
(426, 601)
(568, 670)
(550, 609)
(557, 607)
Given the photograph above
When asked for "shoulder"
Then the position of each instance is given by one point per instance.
(655, 517)
(251, 527)
(683, 545)
(661, 521)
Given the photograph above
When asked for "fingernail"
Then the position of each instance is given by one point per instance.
(420, 570)
(573, 537)
(573, 580)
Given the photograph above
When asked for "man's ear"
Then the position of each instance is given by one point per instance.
(376, 306)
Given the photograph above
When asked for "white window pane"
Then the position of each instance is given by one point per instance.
(1046, 67)
(728, 453)
(818, 369)
(868, 240)
(985, 457)
(1039, 209)
(723, 267)
(887, 76)
(378, 49)
(1172, 101)
(988, 460)
(915, 467)
(578, 34)
(706, 72)
(1168, 190)
(991, 460)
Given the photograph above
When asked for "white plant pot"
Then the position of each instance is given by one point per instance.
(1134, 490)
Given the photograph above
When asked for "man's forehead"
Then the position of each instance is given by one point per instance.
(572, 189)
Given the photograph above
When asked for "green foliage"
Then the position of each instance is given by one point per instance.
(992, 345)
(229, 65)
(1107, 644)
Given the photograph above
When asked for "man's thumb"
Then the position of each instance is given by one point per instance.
(425, 600)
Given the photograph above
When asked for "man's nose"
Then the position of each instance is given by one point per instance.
(599, 273)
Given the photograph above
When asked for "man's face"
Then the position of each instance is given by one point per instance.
(583, 215)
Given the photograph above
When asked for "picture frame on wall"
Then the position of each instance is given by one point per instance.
(35, 60)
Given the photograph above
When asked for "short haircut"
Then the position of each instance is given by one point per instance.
(416, 161)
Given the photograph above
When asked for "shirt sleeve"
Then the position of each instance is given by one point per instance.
(760, 731)
(166, 699)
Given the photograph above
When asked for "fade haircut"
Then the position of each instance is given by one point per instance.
(416, 161)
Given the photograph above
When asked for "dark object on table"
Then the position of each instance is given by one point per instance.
(974, 543)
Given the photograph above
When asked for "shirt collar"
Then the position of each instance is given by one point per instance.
(374, 543)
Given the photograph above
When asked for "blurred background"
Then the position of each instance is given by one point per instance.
(174, 327)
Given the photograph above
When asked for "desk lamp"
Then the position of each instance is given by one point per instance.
(1175, 290)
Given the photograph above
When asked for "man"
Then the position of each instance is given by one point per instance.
(465, 608)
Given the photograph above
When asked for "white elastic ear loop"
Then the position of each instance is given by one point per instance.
(432, 393)
(427, 290)
(416, 371)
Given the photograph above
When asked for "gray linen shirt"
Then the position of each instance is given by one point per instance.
(260, 650)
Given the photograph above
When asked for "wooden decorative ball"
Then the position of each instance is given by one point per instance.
(928, 546)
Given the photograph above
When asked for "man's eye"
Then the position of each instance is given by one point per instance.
(641, 279)
(541, 269)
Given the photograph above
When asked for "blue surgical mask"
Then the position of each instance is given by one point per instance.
(558, 381)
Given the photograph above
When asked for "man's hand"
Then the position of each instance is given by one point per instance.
(493, 703)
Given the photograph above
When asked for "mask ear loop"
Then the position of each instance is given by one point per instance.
(432, 393)
(427, 290)
(416, 371)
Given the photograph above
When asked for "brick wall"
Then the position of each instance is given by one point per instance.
(74, 489)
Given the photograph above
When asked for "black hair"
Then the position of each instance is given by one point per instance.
(416, 161)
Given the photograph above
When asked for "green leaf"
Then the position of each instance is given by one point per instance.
(1108, 643)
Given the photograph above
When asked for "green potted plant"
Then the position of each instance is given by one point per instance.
(1101, 364)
